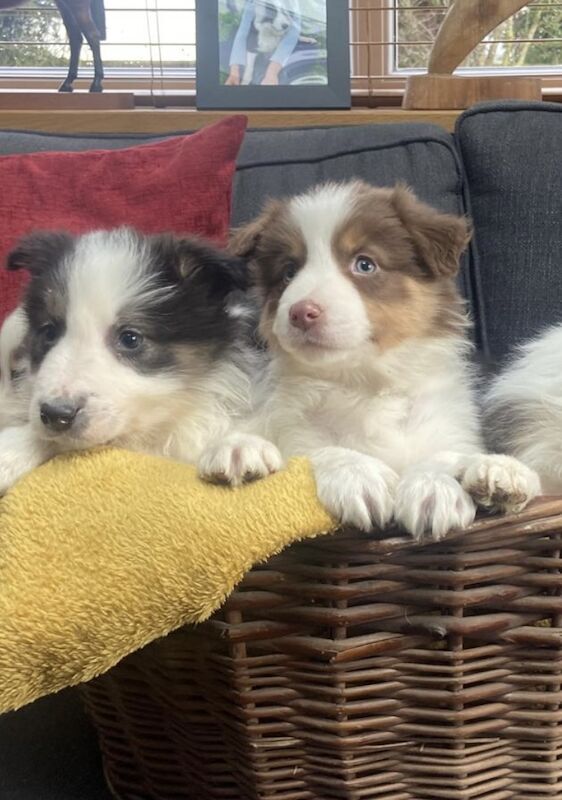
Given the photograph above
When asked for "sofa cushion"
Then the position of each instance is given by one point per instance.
(282, 161)
(182, 185)
(276, 162)
(512, 154)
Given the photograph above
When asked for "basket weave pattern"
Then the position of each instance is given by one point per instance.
(359, 668)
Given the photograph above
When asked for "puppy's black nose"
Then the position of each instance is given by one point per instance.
(58, 417)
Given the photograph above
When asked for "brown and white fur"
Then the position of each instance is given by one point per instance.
(370, 375)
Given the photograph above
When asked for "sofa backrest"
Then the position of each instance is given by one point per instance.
(512, 156)
(279, 162)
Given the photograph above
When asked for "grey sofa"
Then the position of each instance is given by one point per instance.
(502, 166)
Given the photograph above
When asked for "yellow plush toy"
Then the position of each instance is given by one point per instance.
(101, 553)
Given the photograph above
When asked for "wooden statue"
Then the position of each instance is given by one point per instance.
(466, 24)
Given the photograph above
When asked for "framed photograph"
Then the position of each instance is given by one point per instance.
(273, 54)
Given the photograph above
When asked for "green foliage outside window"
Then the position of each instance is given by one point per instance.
(419, 21)
(24, 26)
(417, 24)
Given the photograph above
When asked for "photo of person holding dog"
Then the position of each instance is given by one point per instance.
(273, 42)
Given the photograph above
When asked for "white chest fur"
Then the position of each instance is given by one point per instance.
(376, 425)
(400, 417)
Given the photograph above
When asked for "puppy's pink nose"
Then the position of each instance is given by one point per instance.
(305, 314)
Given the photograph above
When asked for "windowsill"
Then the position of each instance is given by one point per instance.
(151, 120)
(81, 113)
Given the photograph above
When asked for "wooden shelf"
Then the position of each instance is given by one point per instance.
(61, 101)
(166, 120)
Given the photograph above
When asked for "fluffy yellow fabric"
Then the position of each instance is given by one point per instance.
(101, 553)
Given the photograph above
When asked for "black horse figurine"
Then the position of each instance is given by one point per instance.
(82, 19)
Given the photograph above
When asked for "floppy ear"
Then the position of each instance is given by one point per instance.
(244, 240)
(39, 251)
(439, 239)
(196, 262)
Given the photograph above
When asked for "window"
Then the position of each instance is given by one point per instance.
(151, 44)
(393, 38)
(151, 41)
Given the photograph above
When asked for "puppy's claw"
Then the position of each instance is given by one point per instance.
(356, 489)
(432, 505)
(500, 483)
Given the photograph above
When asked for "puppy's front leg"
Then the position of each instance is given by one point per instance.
(431, 501)
(239, 458)
(20, 452)
(354, 488)
(499, 482)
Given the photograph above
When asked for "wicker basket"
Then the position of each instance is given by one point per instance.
(359, 668)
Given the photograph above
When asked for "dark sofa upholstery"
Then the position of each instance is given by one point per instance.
(512, 156)
(503, 166)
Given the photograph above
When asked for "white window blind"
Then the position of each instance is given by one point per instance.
(152, 43)
(392, 39)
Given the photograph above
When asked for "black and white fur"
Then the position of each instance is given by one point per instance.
(271, 22)
(524, 408)
(132, 342)
(14, 370)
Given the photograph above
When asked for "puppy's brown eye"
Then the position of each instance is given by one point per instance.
(290, 272)
(363, 265)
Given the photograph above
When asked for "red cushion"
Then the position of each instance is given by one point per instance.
(181, 185)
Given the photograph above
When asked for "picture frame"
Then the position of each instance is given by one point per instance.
(294, 54)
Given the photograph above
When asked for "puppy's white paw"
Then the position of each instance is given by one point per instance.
(9, 473)
(238, 459)
(500, 483)
(354, 488)
(19, 454)
(433, 504)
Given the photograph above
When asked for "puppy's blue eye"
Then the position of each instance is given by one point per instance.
(290, 272)
(363, 265)
(130, 340)
(49, 332)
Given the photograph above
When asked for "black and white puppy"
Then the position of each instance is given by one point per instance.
(133, 341)
(272, 19)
